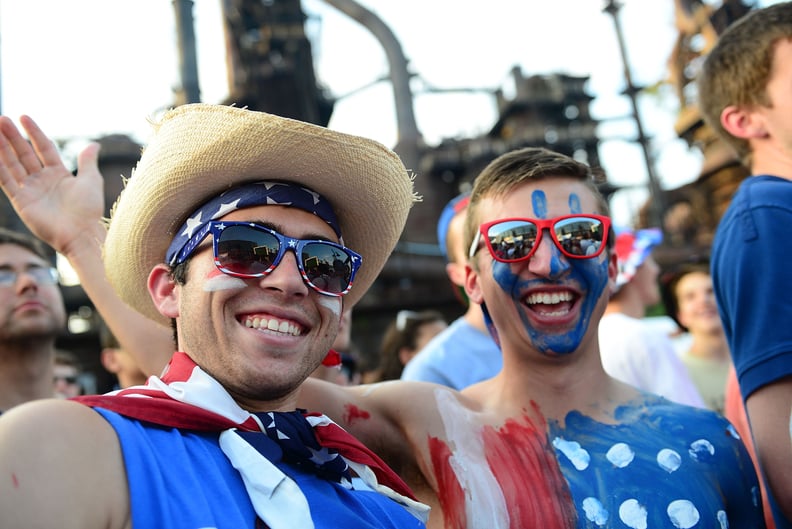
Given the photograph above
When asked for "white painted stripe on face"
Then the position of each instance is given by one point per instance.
(331, 303)
(485, 505)
(221, 281)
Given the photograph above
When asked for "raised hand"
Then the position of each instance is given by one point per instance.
(55, 205)
(65, 211)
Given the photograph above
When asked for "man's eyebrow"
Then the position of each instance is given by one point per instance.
(26, 266)
(280, 229)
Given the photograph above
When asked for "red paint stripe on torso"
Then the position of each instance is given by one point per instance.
(450, 493)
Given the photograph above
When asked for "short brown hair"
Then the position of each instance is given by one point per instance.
(737, 69)
(26, 241)
(528, 164)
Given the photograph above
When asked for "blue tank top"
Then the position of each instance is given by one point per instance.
(180, 479)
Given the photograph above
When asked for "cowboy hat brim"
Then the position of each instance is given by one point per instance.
(198, 151)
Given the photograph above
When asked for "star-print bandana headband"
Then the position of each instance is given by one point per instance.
(193, 231)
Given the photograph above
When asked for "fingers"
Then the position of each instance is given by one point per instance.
(46, 152)
(10, 168)
(89, 158)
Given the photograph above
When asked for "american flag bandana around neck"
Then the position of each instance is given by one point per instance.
(186, 397)
(272, 193)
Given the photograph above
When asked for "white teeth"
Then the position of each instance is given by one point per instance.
(272, 325)
(558, 313)
(549, 299)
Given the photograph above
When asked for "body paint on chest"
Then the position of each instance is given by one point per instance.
(504, 477)
(661, 465)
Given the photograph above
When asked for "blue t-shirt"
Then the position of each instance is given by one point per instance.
(182, 479)
(751, 260)
(459, 356)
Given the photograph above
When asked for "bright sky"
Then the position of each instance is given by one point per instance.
(85, 68)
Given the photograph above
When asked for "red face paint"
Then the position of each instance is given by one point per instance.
(353, 413)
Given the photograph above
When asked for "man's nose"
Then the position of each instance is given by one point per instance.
(547, 260)
(286, 276)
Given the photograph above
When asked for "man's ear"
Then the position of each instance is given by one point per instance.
(456, 273)
(742, 123)
(613, 273)
(163, 291)
(472, 285)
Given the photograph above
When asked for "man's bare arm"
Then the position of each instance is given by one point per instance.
(60, 466)
(768, 410)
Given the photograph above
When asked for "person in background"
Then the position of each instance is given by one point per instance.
(226, 231)
(66, 375)
(32, 315)
(465, 352)
(403, 338)
(744, 96)
(632, 350)
(341, 366)
(551, 441)
(690, 301)
(119, 362)
(67, 214)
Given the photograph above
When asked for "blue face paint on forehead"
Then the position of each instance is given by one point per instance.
(574, 203)
(539, 201)
(196, 227)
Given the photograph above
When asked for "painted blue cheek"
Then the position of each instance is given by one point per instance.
(592, 277)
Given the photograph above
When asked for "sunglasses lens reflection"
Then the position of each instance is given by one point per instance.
(579, 236)
(514, 240)
(247, 251)
(327, 266)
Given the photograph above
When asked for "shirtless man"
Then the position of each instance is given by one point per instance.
(552, 441)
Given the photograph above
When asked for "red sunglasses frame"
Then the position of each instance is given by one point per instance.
(541, 226)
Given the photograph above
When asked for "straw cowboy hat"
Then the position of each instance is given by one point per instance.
(198, 151)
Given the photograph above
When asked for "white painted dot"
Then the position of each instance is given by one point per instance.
(577, 455)
(756, 495)
(723, 520)
(633, 514)
(668, 460)
(701, 448)
(620, 455)
(595, 511)
(733, 431)
(683, 514)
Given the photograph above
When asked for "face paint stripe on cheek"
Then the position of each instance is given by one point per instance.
(331, 303)
(216, 281)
